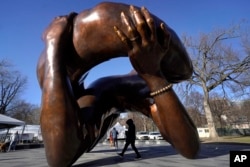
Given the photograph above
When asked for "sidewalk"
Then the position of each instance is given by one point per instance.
(153, 154)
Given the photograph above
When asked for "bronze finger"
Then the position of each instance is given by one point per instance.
(150, 22)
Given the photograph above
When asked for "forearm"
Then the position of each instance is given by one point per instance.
(172, 118)
(59, 122)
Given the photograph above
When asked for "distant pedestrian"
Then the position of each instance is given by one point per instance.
(13, 141)
(110, 139)
(130, 139)
(115, 137)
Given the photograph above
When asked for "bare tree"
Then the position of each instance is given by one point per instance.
(195, 109)
(233, 113)
(246, 109)
(26, 112)
(142, 122)
(240, 112)
(11, 85)
(219, 65)
(220, 108)
(198, 118)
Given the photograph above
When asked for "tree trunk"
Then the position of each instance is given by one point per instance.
(209, 117)
(144, 124)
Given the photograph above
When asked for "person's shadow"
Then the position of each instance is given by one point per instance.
(207, 150)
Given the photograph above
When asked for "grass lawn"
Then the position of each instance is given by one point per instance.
(233, 139)
(237, 139)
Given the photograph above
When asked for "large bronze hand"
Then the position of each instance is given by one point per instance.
(144, 49)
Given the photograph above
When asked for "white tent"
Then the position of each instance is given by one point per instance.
(29, 132)
(121, 130)
(8, 122)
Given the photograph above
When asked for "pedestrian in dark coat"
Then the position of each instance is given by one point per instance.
(130, 139)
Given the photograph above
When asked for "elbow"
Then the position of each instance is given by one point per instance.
(176, 64)
(193, 147)
(193, 154)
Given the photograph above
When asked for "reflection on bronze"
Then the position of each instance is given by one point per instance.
(75, 118)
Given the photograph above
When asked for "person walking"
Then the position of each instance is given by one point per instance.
(110, 138)
(115, 137)
(130, 139)
(13, 141)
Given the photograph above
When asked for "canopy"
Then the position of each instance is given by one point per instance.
(8, 122)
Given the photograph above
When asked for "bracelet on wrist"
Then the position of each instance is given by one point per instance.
(162, 90)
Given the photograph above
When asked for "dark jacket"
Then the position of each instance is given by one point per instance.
(130, 135)
(114, 133)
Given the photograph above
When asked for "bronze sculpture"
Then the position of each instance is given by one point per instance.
(74, 118)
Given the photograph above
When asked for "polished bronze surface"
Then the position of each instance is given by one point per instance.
(75, 118)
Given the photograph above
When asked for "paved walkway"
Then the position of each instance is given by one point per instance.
(153, 154)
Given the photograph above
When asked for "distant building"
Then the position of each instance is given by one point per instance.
(203, 132)
(240, 125)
